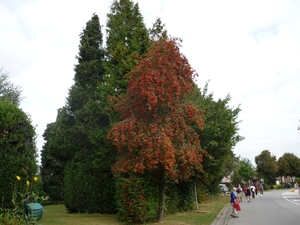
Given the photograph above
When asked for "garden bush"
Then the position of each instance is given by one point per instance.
(86, 191)
(136, 200)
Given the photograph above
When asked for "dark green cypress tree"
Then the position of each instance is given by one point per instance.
(68, 139)
(88, 73)
(89, 70)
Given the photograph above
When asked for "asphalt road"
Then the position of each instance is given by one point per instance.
(276, 207)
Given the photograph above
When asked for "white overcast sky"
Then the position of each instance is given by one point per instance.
(249, 49)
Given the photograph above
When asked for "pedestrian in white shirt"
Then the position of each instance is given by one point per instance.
(252, 188)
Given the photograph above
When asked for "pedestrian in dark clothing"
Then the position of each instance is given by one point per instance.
(261, 190)
(256, 188)
(248, 194)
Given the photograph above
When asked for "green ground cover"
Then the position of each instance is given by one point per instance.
(205, 215)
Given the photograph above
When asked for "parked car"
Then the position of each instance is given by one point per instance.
(224, 188)
(286, 185)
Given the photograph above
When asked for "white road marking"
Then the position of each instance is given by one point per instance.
(288, 195)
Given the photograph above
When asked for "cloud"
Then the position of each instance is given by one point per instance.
(265, 32)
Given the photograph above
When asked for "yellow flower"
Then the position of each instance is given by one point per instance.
(18, 178)
(27, 183)
(35, 178)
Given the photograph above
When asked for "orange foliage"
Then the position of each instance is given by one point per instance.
(156, 118)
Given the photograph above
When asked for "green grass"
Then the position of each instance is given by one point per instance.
(58, 215)
(205, 215)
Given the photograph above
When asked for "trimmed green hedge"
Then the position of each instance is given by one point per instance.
(86, 191)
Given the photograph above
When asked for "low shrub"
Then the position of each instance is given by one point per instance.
(277, 186)
(266, 187)
(12, 217)
(135, 201)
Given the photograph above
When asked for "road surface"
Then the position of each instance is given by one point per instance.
(276, 207)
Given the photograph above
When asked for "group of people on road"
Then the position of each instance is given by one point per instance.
(249, 192)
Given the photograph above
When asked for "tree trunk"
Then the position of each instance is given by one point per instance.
(196, 199)
(162, 192)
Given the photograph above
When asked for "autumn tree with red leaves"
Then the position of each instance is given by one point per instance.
(156, 133)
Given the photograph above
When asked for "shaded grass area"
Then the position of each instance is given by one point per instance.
(58, 215)
(205, 215)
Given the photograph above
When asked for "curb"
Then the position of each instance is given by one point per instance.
(222, 217)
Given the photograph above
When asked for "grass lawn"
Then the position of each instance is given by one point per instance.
(57, 215)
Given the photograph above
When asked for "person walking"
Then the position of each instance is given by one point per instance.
(245, 191)
(234, 203)
(256, 188)
(252, 188)
(248, 194)
(297, 187)
(261, 190)
(239, 191)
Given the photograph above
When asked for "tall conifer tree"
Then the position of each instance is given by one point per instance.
(75, 122)
(88, 73)
(127, 40)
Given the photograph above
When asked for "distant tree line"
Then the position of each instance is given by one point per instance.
(268, 168)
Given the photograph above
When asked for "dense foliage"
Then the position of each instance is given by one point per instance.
(88, 73)
(18, 154)
(155, 119)
(18, 148)
(218, 137)
(245, 172)
(78, 183)
(155, 134)
(136, 200)
(289, 165)
(266, 166)
(54, 155)
(127, 41)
